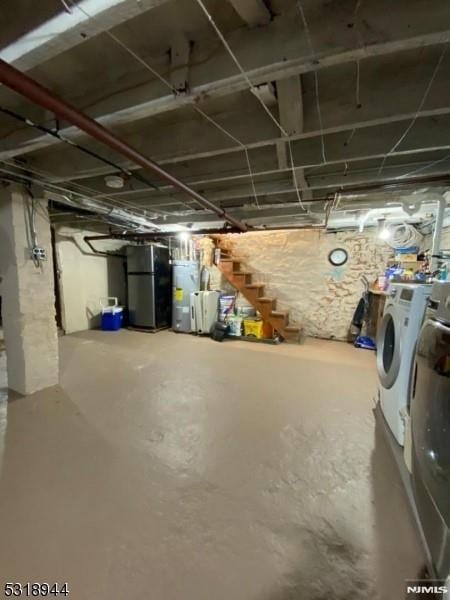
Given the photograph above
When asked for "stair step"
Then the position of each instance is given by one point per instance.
(292, 329)
(293, 334)
(242, 273)
(228, 259)
(279, 313)
(265, 306)
(254, 285)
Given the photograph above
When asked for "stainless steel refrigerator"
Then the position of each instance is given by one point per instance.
(149, 286)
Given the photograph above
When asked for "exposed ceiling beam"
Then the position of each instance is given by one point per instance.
(279, 188)
(66, 30)
(290, 108)
(45, 98)
(181, 158)
(426, 138)
(273, 52)
(286, 210)
(306, 135)
(253, 12)
(180, 50)
(239, 186)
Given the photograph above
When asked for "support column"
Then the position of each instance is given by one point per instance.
(28, 299)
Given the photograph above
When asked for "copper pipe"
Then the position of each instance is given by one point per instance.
(40, 95)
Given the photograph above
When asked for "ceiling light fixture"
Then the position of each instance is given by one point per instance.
(114, 181)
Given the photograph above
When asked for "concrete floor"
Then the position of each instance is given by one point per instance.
(172, 467)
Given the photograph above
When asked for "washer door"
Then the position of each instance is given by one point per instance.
(388, 348)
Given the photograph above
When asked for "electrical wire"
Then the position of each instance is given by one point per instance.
(239, 66)
(252, 87)
(88, 190)
(31, 206)
(350, 137)
(426, 167)
(255, 92)
(316, 78)
(357, 23)
(110, 216)
(358, 78)
(177, 93)
(57, 134)
(29, 177)
(421, 104)
(232, 137)
(404, 236)
(357, 7)
(360, 40)
(30, 211)
(66, 7)
(356, 20)
(313, 167)
(84, 191)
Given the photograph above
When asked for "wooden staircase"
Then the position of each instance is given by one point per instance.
(273, 319)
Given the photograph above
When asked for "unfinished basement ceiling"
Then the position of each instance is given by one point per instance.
(361, 92)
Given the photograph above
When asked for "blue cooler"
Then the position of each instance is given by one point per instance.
(112, 316)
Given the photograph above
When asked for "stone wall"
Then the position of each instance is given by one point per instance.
(28, 299)
(295, 268)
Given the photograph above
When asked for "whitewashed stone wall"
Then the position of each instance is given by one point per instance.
(295, 268)
(28, 304)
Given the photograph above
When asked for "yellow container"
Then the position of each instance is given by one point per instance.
(253, 328)
(406, 257)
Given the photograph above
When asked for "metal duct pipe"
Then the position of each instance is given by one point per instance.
(40, 95)
(119, 216)
(440, 213)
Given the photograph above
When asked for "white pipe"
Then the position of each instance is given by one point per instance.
(437, 235)
(396, 213)
(365, 217)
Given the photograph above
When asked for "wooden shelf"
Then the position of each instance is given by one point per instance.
(417, 263)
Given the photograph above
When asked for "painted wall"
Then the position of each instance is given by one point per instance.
(28, 299)
(85, 279)
(294, 266)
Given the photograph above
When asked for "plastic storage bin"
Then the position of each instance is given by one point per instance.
(253, 328)
(112, 316)
(234, 325)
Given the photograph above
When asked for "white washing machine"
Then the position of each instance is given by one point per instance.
(402, 318)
